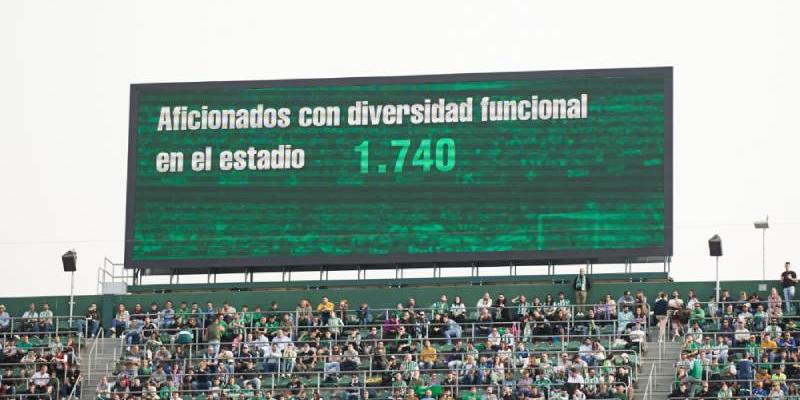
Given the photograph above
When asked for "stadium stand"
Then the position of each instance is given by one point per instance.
(443, 347)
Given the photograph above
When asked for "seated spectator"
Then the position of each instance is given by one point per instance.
(90, 324)
(364, 315)
(166, 317)
(483, 326)
(625, 317)
(350, 359)
(458, 311)
(30, 319)
(484, 303)
(121, 321)
(335, 325)
(427, 356)
(325, 309)
(41, 380)
(391, 325)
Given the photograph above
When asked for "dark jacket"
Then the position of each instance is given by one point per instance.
(588, 282)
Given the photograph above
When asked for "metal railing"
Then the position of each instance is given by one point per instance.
(342, 381)
(91, 355)
(75, 387)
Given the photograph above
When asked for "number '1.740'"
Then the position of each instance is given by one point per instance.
(426, 155)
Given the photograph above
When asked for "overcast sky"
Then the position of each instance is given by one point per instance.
(65, 68)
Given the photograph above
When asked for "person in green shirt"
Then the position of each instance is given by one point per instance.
(184, 336)
(689, 345)
(231, 389)
(166, 390)
(621, 393)
(753, 347)
(182, 314)
(399, 383)
(698, 315)
(272, 325)
(441, 306)
(245, 317)
(558, 394)
(24, 344)
(542, 381)
(471, 394)
(695, 374)
(725, 392)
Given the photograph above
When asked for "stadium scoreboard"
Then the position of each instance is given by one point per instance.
(448, 169)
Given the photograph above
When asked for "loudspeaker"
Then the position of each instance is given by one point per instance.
(715, 246)
(70, 261)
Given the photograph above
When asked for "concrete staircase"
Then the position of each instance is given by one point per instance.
(661, 363)
(98, 359)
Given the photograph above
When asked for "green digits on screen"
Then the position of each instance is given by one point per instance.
(426, 155)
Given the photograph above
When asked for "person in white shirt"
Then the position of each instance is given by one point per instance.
(272, 358)
(30, 319)
(585, 351)
(261, 342)
(484, 302)
(494, 339)
(637, 336)
(41, 378)
(281, 340)
(575, 378)
(741, 335)
(720, 350)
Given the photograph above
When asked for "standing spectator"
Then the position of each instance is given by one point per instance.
(660, 312)
(582, 285)
(5, 319)
(788, 280)
(214, 333)
(30, 319)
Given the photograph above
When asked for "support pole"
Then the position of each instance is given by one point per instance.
(763, 254)
(71, 296)
(717, 288)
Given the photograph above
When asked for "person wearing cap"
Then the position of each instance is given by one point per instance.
(91, 320)
(5, 319)
(695, 373)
